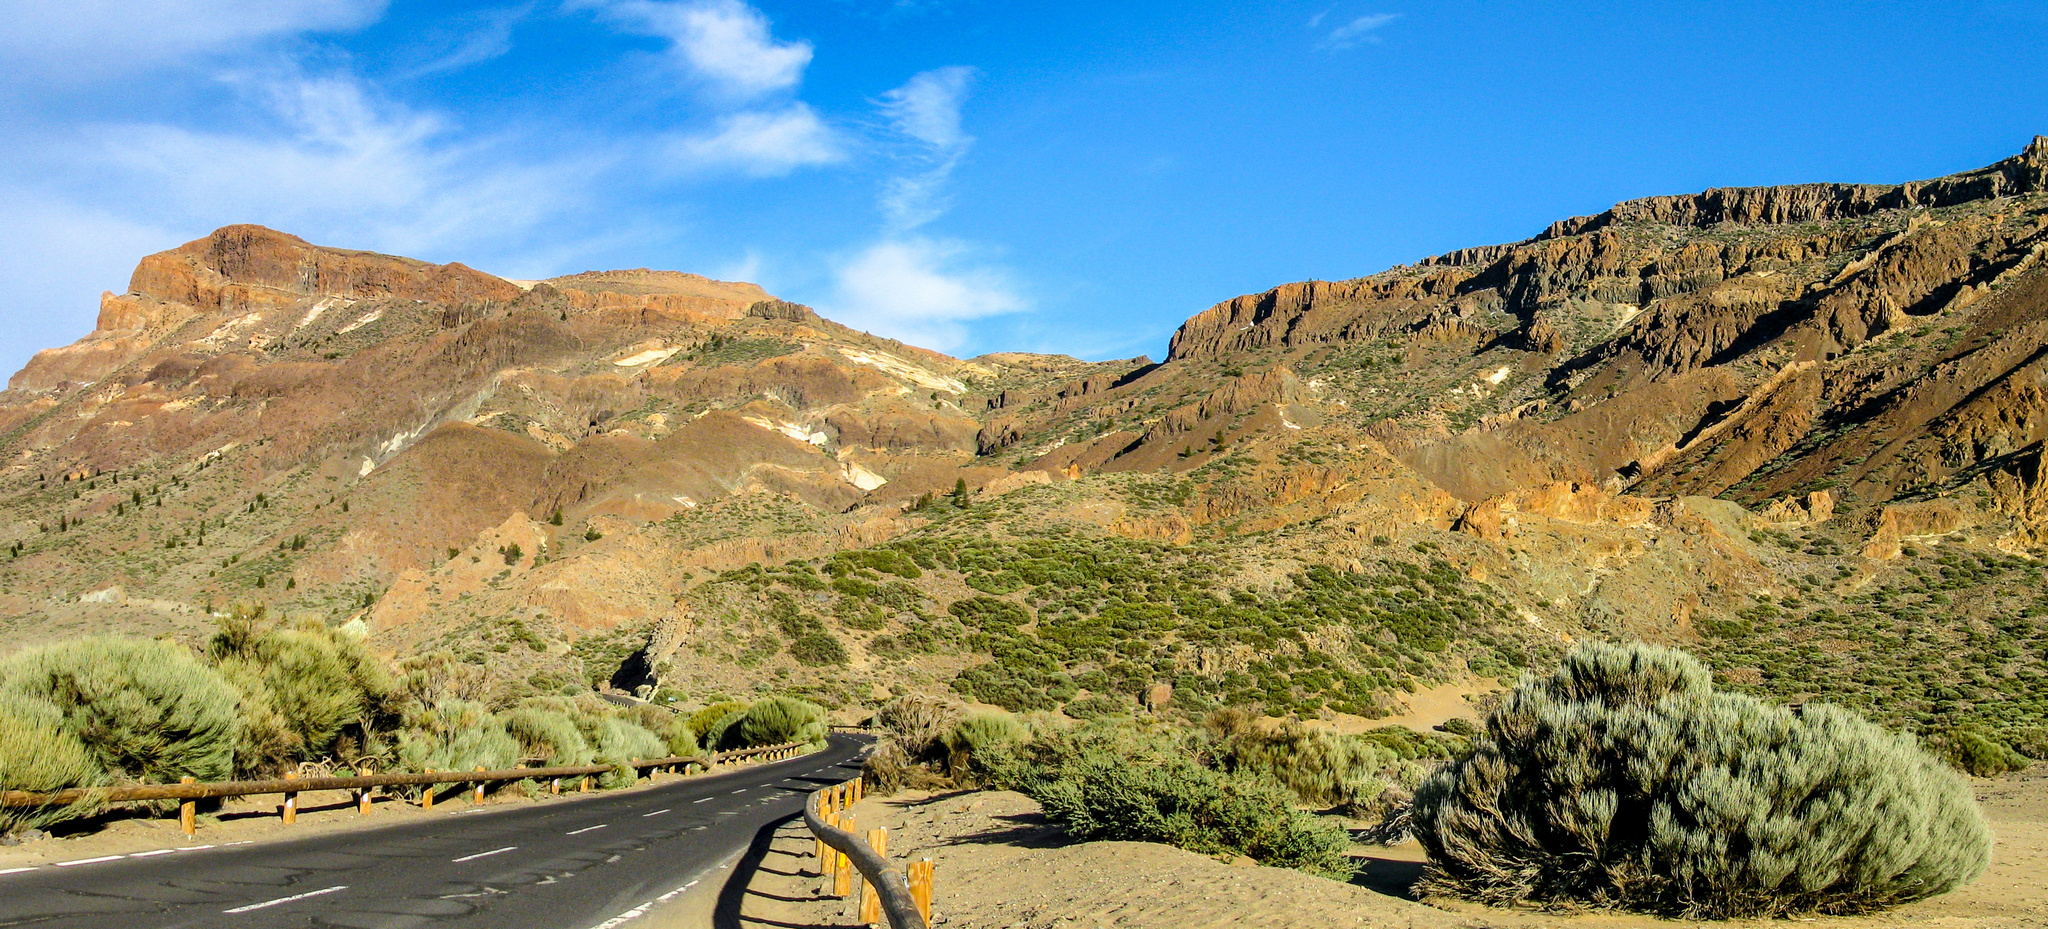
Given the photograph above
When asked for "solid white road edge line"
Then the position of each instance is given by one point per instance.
(310, 893)
(66, 864)
(18, 870)
(482, 854)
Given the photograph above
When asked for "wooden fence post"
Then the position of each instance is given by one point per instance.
(427, 794)
(479, 796)
(363, 801)
(188, 810)
(585, 788)
(842, 877)
(555, 786)
(289, 813)
(920, 875)
(870, 898)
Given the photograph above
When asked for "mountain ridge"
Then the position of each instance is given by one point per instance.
(1634, 423)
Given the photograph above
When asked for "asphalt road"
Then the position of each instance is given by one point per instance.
(579, 863)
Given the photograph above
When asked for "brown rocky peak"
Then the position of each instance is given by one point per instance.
(243, 264)
(643, 282)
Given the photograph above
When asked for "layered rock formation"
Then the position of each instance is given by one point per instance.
(1631, 422)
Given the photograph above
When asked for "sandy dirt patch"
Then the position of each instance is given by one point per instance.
(999, 864)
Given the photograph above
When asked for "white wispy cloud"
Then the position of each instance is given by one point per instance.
(926, 109)
(331, 162)
(760, 143)
(73, 41)
(1358, 31)
(470, 39)
(920, 290)
(726, 44)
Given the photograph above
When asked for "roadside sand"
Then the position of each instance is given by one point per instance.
(999, 864)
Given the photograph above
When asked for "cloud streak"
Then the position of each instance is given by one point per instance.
(926, 110)
(920, 290)
(726, 44)
(760, 143)
(82, 41)
(1358, 31)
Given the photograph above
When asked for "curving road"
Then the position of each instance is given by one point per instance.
(579, 863)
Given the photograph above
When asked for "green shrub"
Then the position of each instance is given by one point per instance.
(703, 721)
(817, 648)
(37, 753)
(724, 734)
(547, 732)
(1974, 751)
(1624, 779)
(1321, 767)
(147, 710)
(617, 741)
(1119, 781)
(314, 681)
(456, 735)
(780, 719)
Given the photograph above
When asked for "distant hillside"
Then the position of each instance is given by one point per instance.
(1797, 429)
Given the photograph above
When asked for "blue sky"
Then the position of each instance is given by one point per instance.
(969, 175)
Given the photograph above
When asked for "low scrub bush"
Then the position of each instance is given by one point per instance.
(1973, 751)
(707, 719)
(456, 735)
(777, 720)
(1320, 767)
(1624, 779)
(616, 741)
(308, 691)
(147, 710)
(37, 753)
(548, 732)
(1105, 781)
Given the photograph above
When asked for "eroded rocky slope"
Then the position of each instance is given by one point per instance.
(1707, 418)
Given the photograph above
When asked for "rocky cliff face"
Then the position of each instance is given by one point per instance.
(1632, 423)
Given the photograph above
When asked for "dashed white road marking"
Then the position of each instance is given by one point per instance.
(705, 800)
(310, 893)
(483, 854)
(655, 813)
(587, 829)
(66, 864)
(740, 791)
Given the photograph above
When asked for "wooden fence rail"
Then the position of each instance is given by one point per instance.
(189, 792)
(886, 891)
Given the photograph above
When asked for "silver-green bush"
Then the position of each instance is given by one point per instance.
(303, 688)
(1118, 781)
(777, 720)
(548, 733)
(455, 735)
(147, 710)
(1321, 767)
(37, 753)
(1625, 780)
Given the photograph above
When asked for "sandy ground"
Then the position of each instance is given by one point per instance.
(1000, 865)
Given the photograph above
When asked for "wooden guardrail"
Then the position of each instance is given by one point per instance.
(189, 792)
(905, 897)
